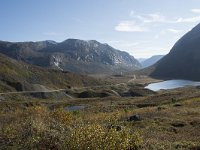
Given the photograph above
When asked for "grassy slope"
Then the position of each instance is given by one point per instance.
(17, 74)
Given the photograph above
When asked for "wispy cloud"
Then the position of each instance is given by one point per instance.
(130, 26)
(159, 18)
(159, 26)
(151, 18)
(188, 20)
(175, 31)
(195, 10)
(167, 32)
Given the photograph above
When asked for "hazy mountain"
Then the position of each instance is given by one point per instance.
(141, 59)
(150, 61)
(183, 61)
(72, 55)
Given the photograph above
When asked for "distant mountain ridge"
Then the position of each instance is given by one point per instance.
(183, 61)
(150, 61)
(141, 59)
(72, 55)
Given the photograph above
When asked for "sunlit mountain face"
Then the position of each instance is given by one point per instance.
(72, 55)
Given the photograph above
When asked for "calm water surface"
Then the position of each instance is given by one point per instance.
(74, 108)
(171, 84)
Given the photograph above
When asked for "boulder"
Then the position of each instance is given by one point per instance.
(134, 118)
(178, 124)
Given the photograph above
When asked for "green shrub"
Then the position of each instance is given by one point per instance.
(95, 136)
(39, 128)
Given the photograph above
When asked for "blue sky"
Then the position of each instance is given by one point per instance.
(141, 27)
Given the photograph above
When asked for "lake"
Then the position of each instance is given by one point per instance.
(171, 84)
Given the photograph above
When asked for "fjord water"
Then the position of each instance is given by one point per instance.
(171, 84)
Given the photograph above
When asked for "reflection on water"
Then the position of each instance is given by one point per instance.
(171, 84)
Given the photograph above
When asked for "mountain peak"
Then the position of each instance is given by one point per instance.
(51, 41)
(73, 55)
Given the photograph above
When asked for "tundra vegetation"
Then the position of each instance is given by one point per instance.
(161, 120)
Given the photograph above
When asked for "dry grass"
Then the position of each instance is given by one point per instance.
(173, 123)
(40, 128)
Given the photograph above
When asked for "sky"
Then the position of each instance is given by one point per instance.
(141, 27)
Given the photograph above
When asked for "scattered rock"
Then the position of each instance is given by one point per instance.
(43, 95)
(195, 123)
(161, 108)
(177, 105)
(172, 129)
(178, 124)
(29, 104)
(134, 118)
(2, 98)
(116, 127)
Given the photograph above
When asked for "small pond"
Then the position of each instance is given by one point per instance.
(74, 108)
(171, 84)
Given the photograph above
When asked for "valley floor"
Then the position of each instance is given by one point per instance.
(125, 116)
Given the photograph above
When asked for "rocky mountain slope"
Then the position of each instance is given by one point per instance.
(183, 61)
(72, 55)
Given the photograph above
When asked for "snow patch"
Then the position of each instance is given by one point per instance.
(96, 45)
(57, 62)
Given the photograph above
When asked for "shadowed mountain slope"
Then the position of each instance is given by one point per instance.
(183, 61)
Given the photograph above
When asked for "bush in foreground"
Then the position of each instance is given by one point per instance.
(39, 128)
